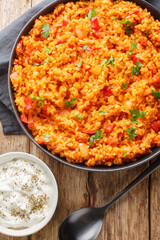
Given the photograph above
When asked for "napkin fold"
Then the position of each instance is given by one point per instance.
(7, 40)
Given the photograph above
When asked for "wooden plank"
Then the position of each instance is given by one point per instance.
(72, 193)
(128, 218)
(9, 11)
(155, 205)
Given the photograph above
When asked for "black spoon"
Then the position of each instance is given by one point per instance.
(86, 223)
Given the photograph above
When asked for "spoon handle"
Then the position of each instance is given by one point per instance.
(141, 177)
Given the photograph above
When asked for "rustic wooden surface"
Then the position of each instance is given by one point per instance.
(135, 217)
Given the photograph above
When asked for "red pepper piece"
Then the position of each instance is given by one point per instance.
(44, 112)
(135, 12)
(59, 42)
(63, 24)
(95, 24)
(110, 128)
(40, 140)
(29, 49)
(90, 132)
(139, 137)
(30, 121)
(157, 80)
(38, 39)
(107, 91)
(89, 49)
(19, 48)
(152, 69)
(23, 118)
(135, 60)
(70, 46)
(96, 34)
(155, 126)
(143, 42)
(158, 116)
(28, 103)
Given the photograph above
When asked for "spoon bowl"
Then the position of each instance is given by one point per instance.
(86, 223)
(83, 224)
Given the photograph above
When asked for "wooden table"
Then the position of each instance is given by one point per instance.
(135, 217)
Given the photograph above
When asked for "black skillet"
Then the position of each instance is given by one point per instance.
(49, 8)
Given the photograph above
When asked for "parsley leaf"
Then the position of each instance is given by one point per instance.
(40, 101)
(134, 44)
(146, 32)
(45, 30)
(127, 24)
(85, 47)
(95, 137)
(91, 14)
(124, 153)
(80, 62)
(29, 93)
(46, 137)
(108, 61)
(102, 112)
(115, 18)
(103, 62)
(136, 114)
(156, 94)
(131, 132)
(70, 103)
(47, 50)
(130, 52)
(136, 69)
(36, 64)
(46, 60)
(78, 116)
(125, 85)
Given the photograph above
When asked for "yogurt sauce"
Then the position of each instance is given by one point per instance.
(25, 194)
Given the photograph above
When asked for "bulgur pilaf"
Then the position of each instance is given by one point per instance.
(87, 81)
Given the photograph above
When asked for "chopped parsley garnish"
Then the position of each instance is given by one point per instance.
(108, 61)
(91, 14)
(136, 114)
(128, 24)
(125, 85)
(46, 60)
(146, 32)
(85, 47)
(47, 50)
(136, 69)
(29, 93)
(78, 116)
(80, 62)
(95, 137)
(131, 132)
(36, 64)
(102, 112)
(46, 137)
(40, 101)
(130, 52)
(70, 103)
(156, 94)
(115, 18)
(45, 30)
(124, 153)
(134, 44)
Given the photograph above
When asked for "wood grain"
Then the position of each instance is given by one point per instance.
(135, 217)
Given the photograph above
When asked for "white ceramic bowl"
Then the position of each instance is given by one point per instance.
(40, 225)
